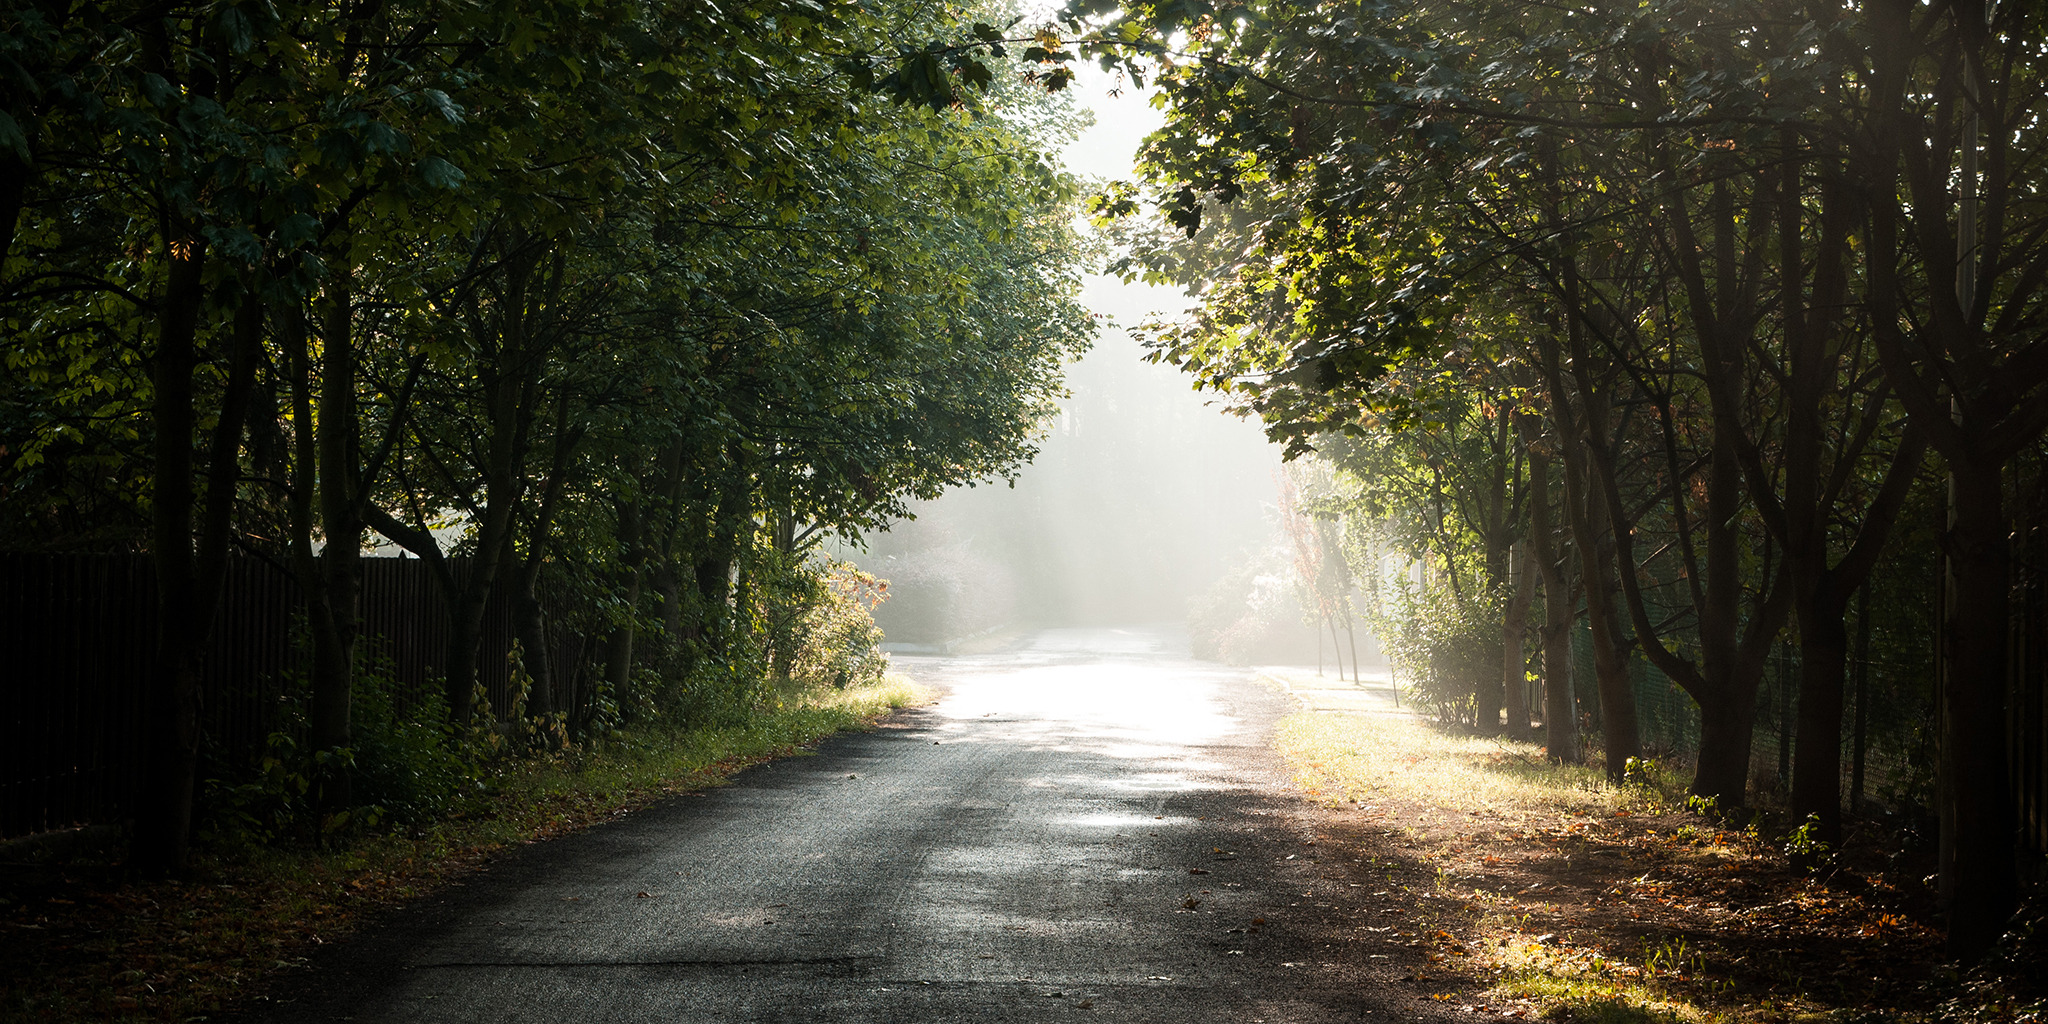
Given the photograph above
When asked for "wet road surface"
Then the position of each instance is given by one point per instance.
(1088, 825)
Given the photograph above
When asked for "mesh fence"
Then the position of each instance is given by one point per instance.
(1887, 741)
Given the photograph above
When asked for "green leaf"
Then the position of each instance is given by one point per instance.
(12, 139)
(448, 109)
(441, 174)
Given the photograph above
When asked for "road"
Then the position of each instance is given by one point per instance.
(1089, 825)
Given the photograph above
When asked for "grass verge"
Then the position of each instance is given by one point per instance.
(1541, 891)
(80, 943)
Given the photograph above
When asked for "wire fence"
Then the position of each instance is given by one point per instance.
(1887, 743)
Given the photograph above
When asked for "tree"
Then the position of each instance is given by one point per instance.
(598, 285)
(1707, 199)
(1947, 160)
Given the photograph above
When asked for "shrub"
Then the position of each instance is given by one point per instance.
(407, 763)
(1445, 646)
(838, 641)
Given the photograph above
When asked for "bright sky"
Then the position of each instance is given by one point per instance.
(1107, 150)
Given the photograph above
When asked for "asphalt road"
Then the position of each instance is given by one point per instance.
(1089, 825)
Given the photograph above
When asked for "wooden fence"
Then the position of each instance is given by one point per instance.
(76, 638)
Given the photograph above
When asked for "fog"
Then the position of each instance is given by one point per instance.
(1144, 494)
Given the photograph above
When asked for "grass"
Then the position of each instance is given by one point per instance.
(86, 945)
(1583, 985)
(1391, 757)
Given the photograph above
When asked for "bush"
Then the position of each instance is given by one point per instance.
(1447, 647)
(810, 623)
(716, 691)
(1251, 614)
(408, 765)
(838, 641)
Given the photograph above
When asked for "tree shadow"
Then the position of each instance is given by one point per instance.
(1606, 1011)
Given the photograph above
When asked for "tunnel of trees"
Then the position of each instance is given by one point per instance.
(1697, 340)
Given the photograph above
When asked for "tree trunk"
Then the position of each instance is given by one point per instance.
(618, 654)
(1592, 531)
(1351, 635)
(1619, 731)
(1560, 696)
(1965, 377)
(1560, 701)
(1486, 703)
(164, 819)
(1979, 878)
(1823, 663)
(1336, 648)
(1560, 704)
(1514, 675)
(1727, 729)
(529, 615)
(331, 611)
(331, 618)
(714, 566)
(668, 586)
(1862, 670)
(466, 608)
(530, 626)
(618, 659)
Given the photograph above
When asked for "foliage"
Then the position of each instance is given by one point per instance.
(1804, 845)
(1443, 644)
(407, 769)
(1641, 771)
(716, 691)
(608, 311)
(1234, 620)
(406, 759)
(840, 643)
(1726, 275)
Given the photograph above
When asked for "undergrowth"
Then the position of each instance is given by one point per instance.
(83, 944)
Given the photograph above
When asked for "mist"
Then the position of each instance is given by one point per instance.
(1144, 497)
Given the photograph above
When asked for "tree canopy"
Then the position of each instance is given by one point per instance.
(1714, 278)
(608, 310)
